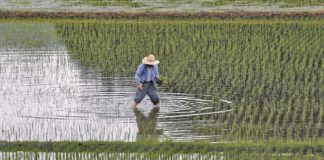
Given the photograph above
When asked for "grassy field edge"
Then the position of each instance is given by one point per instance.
(157, 15)
(280, 20)
(272, 146)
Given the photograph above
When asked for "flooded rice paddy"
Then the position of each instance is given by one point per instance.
(162, 5)
(46, 95)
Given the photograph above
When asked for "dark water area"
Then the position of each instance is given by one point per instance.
(48, 96)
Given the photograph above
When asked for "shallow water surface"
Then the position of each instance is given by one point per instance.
(160, 6)
(47, 95)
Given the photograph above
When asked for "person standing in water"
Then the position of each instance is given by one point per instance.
(147, 75)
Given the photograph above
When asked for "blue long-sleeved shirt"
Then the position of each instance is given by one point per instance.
(141, 73)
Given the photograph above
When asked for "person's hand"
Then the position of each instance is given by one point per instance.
(159, 81)
(140, 86)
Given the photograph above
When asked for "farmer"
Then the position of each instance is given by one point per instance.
(147, 75)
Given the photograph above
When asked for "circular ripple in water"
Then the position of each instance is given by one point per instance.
(45, 95)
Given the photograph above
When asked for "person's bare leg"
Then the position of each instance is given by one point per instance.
(134, 105)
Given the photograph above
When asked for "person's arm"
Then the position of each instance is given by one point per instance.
(157, 76)
(138, 73)
(157, 71)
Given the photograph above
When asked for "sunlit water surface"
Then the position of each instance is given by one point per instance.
(46, 95)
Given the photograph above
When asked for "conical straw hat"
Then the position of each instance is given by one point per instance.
(150, 60)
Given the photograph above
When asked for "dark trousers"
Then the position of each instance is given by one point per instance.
(150, 90)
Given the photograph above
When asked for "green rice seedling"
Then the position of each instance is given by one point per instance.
(271, 149)
(277, 73)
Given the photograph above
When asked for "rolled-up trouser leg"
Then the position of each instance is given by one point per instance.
(152, 93)
(140, 94)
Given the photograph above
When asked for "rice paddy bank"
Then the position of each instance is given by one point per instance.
(167, 15)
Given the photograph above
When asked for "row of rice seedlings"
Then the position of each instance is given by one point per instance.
(106, 156)
(163, 150)
(141, 156)
(63, 130)
(28, 35)
(270, 69)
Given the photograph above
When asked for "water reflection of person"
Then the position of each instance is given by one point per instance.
(147, 125)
